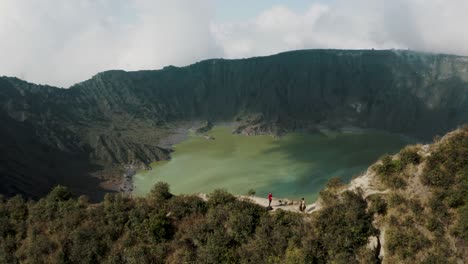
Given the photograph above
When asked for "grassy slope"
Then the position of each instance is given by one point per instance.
(427, 201)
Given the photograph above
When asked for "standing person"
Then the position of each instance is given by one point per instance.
(302, 206)
(270, 197)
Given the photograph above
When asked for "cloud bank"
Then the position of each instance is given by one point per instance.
(63, 42)
(429, 25)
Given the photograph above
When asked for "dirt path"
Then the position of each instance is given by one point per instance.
(283, 204)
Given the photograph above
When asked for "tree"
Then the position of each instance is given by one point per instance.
(59, 193)
(160, 192)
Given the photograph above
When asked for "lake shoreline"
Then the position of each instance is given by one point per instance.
(179, 134)
(297, 165)
(364, 183)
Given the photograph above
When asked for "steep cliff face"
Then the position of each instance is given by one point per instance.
(31, 167)
(407, 92)
(119, 117)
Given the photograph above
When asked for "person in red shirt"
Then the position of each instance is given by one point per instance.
(270, 197)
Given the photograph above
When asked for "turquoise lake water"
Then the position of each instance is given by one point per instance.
(294, 166)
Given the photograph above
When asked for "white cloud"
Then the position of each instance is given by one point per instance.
(62, 42)
(431, 25)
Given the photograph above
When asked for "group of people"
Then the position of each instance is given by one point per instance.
(302, 205)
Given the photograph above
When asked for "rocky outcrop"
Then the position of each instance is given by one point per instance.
(122, 151)
(256, 124)
(207, 126)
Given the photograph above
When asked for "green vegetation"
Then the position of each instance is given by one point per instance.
(448, 164)
(342, 228)
(409, 155)
(389, 172)
(377, 205)
(334, 182)
(425, 225)
(178, 229)
(396, 199)
(429, 224)
(405, 241)
(446, 171)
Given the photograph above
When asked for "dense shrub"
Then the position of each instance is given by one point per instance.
(344, 227)
(273, 236)
(434, 174)
(185, 205)
(377, 205)
(389, 166)
(461, 227)
(158, 226)
(438, 257)
(456, 198)
(448, 164)
(396, 199)
(405, 241)
(437, 206)
(160, 192)
(389, 172)
(294, 256)
(415, 206)
(178, 229)
(59, 193)
(433, 224)
(328, 196)
(8, 247)
(334, 182)
(409, 155)
(251, 192)
(220, 197)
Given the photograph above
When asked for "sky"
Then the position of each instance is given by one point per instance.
(60, 43)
